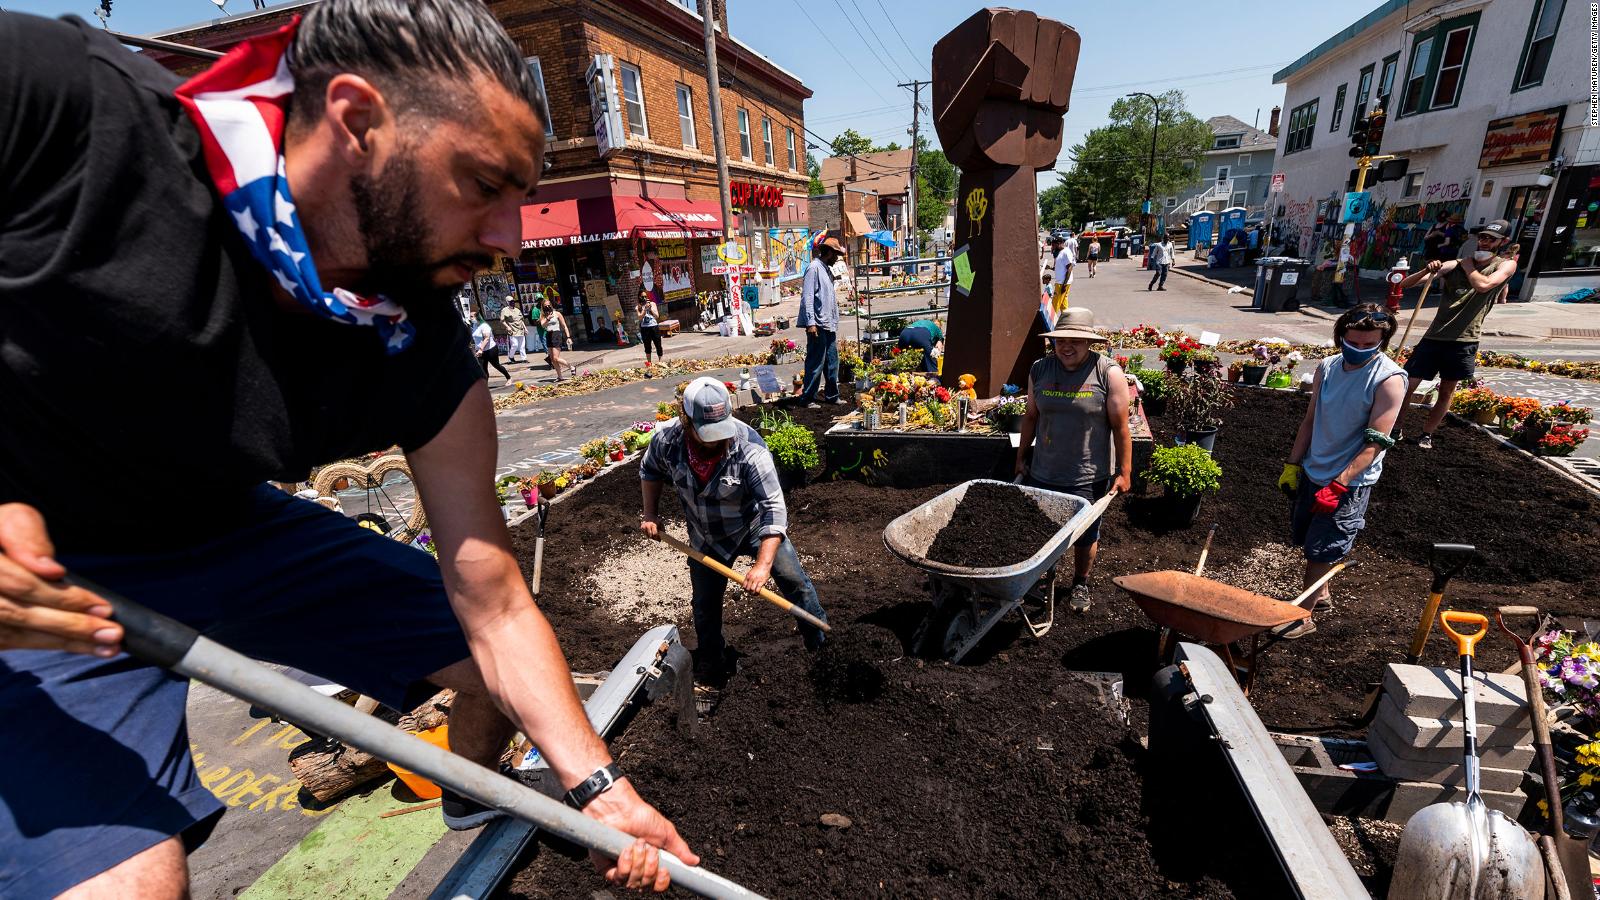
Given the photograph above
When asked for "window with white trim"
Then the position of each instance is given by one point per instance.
(537, 71)
(1438, 67)
(766, 138)
(1338, 108)
(1412, 185)
(1302, 126)
(1541, 39)
(791, 148)
(633, 99)
(1452, 65)
(1363, 95)
(744, 134)
(1227, 141)
(686, 116)
(1222, 175)
(1244, 160)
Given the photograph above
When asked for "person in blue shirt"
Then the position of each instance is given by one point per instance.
(819, 316)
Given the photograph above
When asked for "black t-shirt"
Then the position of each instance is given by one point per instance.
(148, 380)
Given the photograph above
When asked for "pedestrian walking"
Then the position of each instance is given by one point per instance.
(1161, 256)
(819, 316)
(488, 352)
(727, 486)
(516, 331)
(1078, 408)
(557, 336)
(650, 328)
(261, 344)
(1061, 281)
(1338, 450)
(1094, 255)
(1471, 287)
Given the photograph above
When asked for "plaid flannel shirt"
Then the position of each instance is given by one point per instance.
(741, 503)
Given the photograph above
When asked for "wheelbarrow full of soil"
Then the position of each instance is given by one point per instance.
(987, 546)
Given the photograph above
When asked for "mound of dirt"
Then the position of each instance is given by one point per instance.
(849, 667)
(994, 525)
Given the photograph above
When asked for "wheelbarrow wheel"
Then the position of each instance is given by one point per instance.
(938, 635)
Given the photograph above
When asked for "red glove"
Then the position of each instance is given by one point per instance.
(1327, 499)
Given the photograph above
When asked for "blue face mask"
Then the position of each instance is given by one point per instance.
(1356, 356)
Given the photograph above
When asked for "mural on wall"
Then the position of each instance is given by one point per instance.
(789, 251)
(1392, 228)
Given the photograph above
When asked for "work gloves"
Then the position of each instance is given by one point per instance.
(1327, 499)
(1289, 481)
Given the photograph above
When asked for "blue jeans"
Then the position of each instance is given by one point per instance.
(822, 363)
(1328, 538)
(709, 588)
(1161, 273)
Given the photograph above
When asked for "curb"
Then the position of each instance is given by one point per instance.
(1211, 281)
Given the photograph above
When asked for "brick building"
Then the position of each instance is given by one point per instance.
(628, 201)
(877, 186)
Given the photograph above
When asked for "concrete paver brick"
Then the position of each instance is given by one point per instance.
(1436, 693)
(1427, 733)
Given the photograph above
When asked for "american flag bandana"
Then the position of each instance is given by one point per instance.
(239, 106)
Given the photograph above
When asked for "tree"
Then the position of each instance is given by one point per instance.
(1054, 206)
(937, 179)
(814, 169)
(851, 143)
(1110, 165)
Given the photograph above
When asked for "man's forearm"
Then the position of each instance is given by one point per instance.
(651, 491)
(1369, 452)
(768, 550)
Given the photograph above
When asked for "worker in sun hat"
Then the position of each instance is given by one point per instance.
(1078, 410)
(1338, 451)
(1473, 285)
(819, 316)
(728, 486)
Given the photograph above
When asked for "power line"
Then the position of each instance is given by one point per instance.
(896, 29)
(836, 49)
(864, 42)
(1117, 87)
(879, 38)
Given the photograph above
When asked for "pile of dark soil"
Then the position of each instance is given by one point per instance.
(942, 768)
(993, 525)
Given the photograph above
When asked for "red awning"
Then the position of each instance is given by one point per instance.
(565, 222)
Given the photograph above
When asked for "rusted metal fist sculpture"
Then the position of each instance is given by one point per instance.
(1001, 81)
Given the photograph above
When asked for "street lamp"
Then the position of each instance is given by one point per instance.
(1148, 212)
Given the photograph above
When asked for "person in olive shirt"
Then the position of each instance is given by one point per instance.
(924, 335)
(1078, 406)
(1472, 285)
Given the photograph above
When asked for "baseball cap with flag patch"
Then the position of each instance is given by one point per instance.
(706, 403)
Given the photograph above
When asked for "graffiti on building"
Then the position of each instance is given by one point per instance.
(1447, 190)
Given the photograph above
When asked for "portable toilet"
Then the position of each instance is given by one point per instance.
(1231, 219)
(1200, 226)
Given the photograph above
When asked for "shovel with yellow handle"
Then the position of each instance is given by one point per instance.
(1466, 851)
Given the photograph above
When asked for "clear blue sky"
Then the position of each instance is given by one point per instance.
(852, 53)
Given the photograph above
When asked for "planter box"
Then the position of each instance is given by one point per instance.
(915, 459)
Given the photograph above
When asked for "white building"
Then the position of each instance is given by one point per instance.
(1488, 99)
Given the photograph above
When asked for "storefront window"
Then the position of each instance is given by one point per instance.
(1575, 242)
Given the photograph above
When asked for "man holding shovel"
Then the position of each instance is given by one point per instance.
(1338, 452)
(1472, 285)
(283, 232)
(727, 484)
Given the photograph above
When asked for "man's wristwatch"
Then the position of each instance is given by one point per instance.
(593, 786)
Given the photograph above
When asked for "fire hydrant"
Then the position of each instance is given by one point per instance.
(1395, 276)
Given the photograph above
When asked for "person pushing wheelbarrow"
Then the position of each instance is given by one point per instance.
(728, 486)
(1338, 452)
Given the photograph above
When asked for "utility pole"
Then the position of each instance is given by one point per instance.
(713, 94)
(911, 187)
(1148, 212)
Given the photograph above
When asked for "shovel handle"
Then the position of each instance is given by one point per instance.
(765, 593)
(1465, 643)
(1419, 640)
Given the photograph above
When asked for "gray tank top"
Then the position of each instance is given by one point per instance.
(1074, 444)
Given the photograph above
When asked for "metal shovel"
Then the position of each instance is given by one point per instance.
(1466, 851)
(168, 643)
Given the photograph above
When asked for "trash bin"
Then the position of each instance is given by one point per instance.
(1136, 245)
(1277, 283)
(1121, 248)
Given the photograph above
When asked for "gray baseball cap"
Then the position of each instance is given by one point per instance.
(705, 402)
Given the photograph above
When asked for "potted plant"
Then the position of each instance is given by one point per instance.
(595, 449)
(504, 488)
(1185, 473)
(1513, 410)
(546, 480)
(1178, 353)
(869, 411)
(779, 350)
(1195, 405)
(1481, 405)
(1235, 370)
(1153, 390)
(616, 450)
(794, 449)
(1206, 362)
(1009, 411)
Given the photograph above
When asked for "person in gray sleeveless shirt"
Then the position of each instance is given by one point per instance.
(1078, 410)
(1338, 452)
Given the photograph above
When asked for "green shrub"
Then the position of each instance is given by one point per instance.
(794, 447)
(905, 361)
(1186, 470)
(1155, 381)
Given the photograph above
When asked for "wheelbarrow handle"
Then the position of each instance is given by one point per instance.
(170, 644)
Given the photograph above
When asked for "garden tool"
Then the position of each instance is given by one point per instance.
(766, 593)
(1427, 286)
(1567, 859)
(1446, 561)
(539, 514)
(1466, 851)
(172, 645)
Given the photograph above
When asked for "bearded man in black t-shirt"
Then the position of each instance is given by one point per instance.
(262, 260)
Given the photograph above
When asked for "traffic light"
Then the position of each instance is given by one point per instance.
(1359, 132)
(1375, 123)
